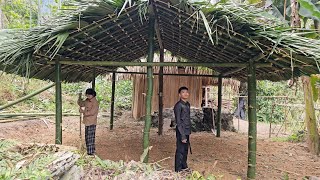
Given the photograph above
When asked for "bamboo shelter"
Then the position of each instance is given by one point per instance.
(91, 38)
(171, 84)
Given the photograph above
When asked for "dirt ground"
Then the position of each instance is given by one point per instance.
(225, 156)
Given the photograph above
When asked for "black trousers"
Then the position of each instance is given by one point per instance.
(181, 153)
(90, 134)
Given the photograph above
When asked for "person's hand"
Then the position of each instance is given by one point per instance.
(184, 141)
(81, 110)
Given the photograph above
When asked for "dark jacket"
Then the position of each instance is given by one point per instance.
(182, 116)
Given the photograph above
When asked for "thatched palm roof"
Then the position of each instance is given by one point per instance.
(104, 30)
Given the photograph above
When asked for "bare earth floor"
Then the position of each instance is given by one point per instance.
(225, 156)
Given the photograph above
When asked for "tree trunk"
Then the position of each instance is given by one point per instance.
(310, 117)
(295, 18)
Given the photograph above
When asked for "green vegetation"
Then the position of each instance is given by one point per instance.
(18, 13)
(12, 160)
(123, 94)
(268, 108)
(198, 176)
(17, 87)
(133, 170)
(296, 137)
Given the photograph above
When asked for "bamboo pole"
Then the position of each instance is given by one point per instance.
(93, 78)
(17, 119)
(58, 139)
(26, 97)
(271, 119)
(160, 130)
(34, 114)
(310, 117)
(122, 64)
(257, 58)
(166, 74)
(219, 106)
(252, 116)
(112, 100)
(147, 125)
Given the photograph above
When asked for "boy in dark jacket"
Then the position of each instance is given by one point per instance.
(183, 129)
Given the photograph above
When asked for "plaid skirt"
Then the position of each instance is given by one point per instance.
(90, 134)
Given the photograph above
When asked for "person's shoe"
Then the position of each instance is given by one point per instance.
(214, 132)
(187, 170)
(91, 155)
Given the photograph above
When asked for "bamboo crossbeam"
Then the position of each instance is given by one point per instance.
(166, 74)
(26, 97)
(257, 58)
(301, 106)
(161, 64)
(287, 97)
(34, 114)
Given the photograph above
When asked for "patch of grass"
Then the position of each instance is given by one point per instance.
(294, 138)
(198, 176)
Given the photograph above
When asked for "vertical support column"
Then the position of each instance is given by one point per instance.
(147, 124)
(160, 130)
(112, 99)
(310, 117)
(252, 116)
(93, 86)
(219, 105)
(58, 139)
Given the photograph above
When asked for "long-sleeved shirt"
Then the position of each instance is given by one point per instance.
(182, 116)
(90, 112)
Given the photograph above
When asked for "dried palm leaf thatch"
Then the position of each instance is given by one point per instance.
(198, 31)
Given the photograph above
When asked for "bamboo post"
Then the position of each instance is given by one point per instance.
(219, 105)
(147, 125)
(271, 119)
(310, 117)
(58, 104)
(239, 114)
(93, 78)
(285, 118)
(112, 100)
(26, 97)
(252, 116)
(160, 130)
(206, 96)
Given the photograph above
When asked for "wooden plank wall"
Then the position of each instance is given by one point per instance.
(170, 92)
